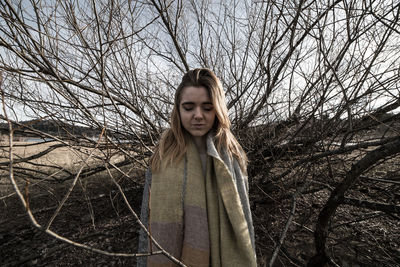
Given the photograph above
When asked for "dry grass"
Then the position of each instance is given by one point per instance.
(67, 157)
(53, 167)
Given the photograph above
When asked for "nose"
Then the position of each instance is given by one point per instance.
(198, 114)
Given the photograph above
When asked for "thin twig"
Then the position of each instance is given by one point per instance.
(73, 184)
(288, 223)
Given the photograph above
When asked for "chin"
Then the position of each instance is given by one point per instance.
(198, 133)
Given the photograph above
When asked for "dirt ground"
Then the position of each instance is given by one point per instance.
(96, 215)
(112, 229)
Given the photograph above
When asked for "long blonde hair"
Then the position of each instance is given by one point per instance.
(173, 143)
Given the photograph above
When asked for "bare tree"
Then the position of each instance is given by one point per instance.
(312, 89)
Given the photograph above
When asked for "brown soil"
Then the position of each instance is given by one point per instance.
(113, 229)
(358, 236)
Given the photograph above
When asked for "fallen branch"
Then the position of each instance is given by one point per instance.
(372, 205)
(381, 180)
(288, 223)
(337, 196)
(364, 217)
(328, 153)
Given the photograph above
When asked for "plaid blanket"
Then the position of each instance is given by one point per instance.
(202, 221)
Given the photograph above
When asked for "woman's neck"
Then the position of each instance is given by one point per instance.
(200, 142)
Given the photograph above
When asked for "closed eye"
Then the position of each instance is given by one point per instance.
(208, 108)
(188, 106)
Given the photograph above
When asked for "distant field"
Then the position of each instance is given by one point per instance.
(54, 165)
(67, 157)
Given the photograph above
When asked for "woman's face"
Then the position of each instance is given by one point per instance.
(196, 110)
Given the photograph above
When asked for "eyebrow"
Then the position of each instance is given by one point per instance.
(192, 103)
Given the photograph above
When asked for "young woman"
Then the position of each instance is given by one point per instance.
(195, 201)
